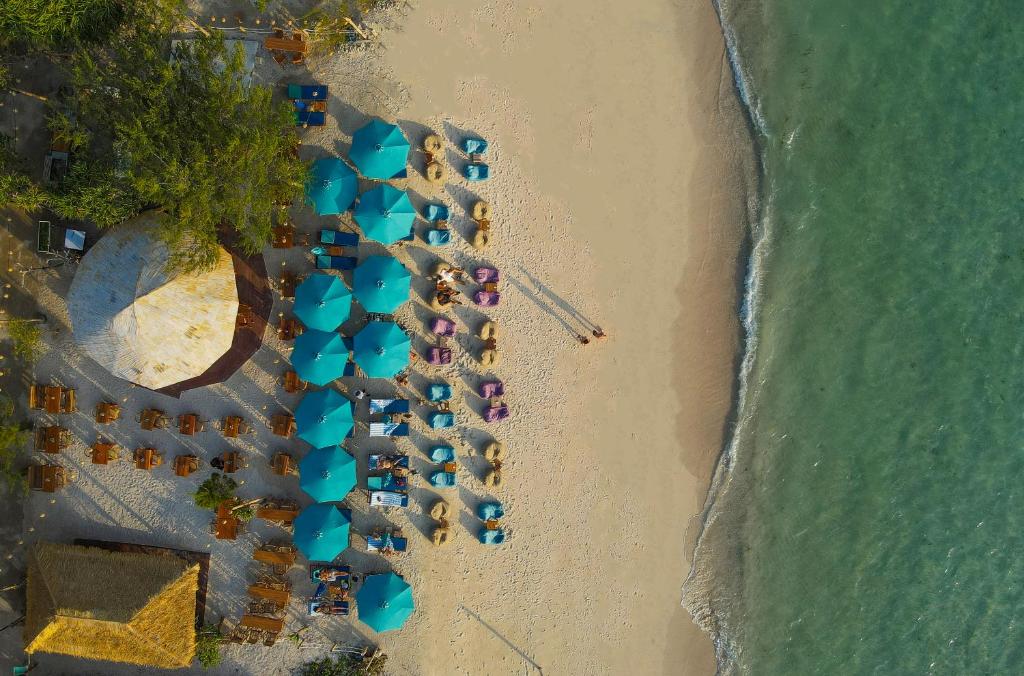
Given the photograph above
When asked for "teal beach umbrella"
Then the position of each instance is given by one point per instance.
(323, 418)
(384, 601)
(332, 186)
(319, 356)
(379, 150)
(381, 349)
(321, 532)
(327, 474)
(323, 302)
(381, 284)
(385, 214)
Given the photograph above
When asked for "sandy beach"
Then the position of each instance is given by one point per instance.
(620, 166)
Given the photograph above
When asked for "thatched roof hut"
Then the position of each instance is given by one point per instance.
(144, 324)
(109, 605)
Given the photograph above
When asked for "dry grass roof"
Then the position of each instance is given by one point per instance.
(117, 606)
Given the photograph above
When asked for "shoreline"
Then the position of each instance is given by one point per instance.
(701, 575)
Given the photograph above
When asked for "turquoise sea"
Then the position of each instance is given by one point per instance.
(870, 512)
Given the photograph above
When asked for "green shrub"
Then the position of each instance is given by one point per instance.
(208, 643)
(348, 665)
(14, 438)
(27, 338)
(215, 490)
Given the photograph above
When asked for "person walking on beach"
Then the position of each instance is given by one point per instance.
(598, 332)
(582, 339)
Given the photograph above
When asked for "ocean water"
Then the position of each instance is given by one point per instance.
(870, 513)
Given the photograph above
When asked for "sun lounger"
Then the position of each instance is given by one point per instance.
(474, 146)
(474, 172)
(320, 572)
(328, 607)
(338, 238)
(496, 413)
(308, 92)
(388, 499)
(437, 236)
(335, 262)
(375, 461)
(485, 275)
(491, 388)
(311, 118)
(389, 406)
(439, 392)
(388, 429)
(442, 326)
(441, 479)
(442, 454)
(490, 510)
(489, 536)
(387, 543)
(439, 355)
(387, 482)
(440, 420)
(486, 298)
(436, 212)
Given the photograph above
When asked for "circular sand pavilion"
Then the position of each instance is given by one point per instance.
(143, 324)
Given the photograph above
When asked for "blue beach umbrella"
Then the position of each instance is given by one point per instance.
(323, 302)
(323, 418)
(327, 474)
(381, 284)
(332, 186)
(379, 150)
(319, 356)
(385, 214)
(321, 532)
(384, 601)
(381, 349)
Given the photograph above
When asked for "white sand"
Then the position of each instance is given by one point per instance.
(614, 135)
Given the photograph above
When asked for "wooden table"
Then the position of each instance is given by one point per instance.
(107, 412)
(276, 558)
(284, 237)
(188, 424)
(245, 317)
(53, 437)
(278, 596)
(232, 426)
(226, 524)
(282, 425)
(282, 464)
(185, 465)
(289, 280)
(285, 44)
(232, 461)
(52, 397)
(279, 515)
(288, 329)
(46, 478)
(292, 382)
(151, 418)
(102, 452)
(147, 458)
(270, 624)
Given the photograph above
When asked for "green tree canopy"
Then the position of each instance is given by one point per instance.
(46, 24)
(187, 136)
